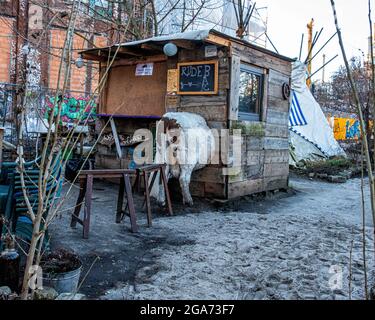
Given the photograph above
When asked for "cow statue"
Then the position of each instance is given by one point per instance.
(185, 143)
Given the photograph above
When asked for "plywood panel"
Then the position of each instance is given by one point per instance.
(129, 95)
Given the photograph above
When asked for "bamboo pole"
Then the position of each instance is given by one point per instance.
(371, 60)
(364, 245)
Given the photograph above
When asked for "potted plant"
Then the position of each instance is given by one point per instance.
(61, 271)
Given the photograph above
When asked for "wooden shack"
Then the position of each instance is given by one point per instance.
(247, 87)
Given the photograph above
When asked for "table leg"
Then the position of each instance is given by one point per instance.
(136, 182)
(87, 210)
(165, 182)
(81, 197)
(129, 197)
(154, 176)
(120, 201)
(148, 202)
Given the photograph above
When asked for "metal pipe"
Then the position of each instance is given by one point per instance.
(249, 15)
(300, 50)
(323, 66)
(314, 42)
(320, 50)
(271, 42)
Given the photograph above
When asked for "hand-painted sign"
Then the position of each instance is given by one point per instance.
(198, 78)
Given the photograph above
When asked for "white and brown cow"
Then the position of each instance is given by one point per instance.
(185, 143)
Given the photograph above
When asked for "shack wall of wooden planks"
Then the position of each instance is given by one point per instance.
(265, 141)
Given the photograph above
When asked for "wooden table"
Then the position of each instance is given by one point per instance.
(86, 179)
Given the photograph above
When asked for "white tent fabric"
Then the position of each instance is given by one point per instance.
(303, 150)
(296, 115)
(317, 130)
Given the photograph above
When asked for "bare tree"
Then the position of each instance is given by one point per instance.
(336, 95)
(359, 108)
(54, 146)
(172, 16)
(372, 65)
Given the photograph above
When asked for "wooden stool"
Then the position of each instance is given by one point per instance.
(86, 179)
(151, 172)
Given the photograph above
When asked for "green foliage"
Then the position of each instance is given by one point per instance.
(252, 129)
(330, 166)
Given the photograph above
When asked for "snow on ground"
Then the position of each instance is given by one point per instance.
(290, 251)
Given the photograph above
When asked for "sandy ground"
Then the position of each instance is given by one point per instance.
(288, 247)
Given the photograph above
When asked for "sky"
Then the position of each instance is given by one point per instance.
(287, 20)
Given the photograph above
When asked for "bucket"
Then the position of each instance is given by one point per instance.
(66, 282)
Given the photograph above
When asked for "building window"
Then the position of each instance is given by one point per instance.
(99, 9)
(251, 93)
(99, 3)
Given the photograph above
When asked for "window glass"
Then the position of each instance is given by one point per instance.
(251, 84)
(100, 9)
(99, 3)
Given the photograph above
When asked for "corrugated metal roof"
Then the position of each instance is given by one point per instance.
(198, 36)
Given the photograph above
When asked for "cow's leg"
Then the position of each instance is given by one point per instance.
(185, 177)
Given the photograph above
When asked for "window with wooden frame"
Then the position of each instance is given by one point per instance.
(251, 93)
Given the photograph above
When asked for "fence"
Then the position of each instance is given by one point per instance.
(40, 102)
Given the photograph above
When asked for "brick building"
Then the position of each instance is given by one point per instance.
(32, 35)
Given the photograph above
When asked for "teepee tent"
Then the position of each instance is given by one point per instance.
(310, 134)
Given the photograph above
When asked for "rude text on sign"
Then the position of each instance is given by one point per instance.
(198, 78)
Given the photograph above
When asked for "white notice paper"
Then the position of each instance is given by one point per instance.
(210, 51)
(144, 69)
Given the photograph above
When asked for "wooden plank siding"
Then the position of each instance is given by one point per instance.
(209, 182)
(264, 164)
(265, 155)
(261, 59)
